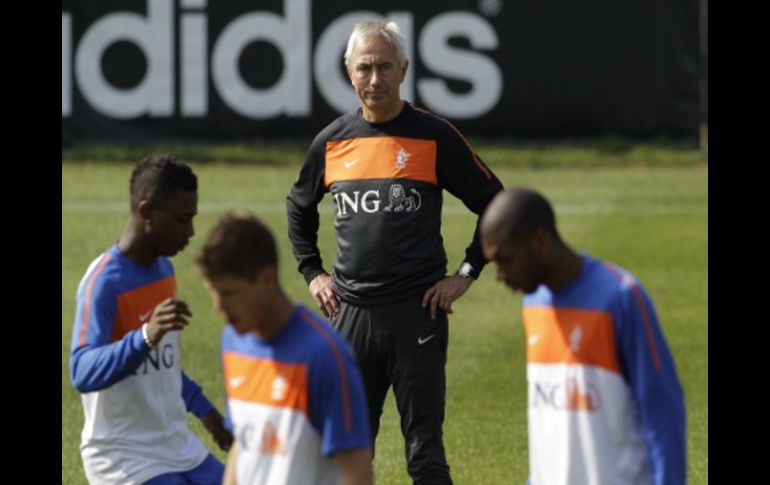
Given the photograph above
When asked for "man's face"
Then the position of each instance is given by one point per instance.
(241, 301)
(517, 263)
(171, 222)
(376, 74)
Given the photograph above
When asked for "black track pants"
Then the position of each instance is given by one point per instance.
(399, 344)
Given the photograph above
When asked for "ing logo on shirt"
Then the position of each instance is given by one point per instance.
(271, 444)
(370, 202)
(567, 396)
(157, 358)
(265, 441)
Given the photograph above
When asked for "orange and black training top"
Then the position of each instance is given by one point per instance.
(386, 180)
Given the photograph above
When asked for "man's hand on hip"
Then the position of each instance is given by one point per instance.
(444, 293)
(323, 293)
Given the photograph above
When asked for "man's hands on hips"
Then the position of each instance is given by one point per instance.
(439, 296)
(323, 293)
(444, 293)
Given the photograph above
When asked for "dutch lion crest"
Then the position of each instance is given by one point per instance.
(400, 202)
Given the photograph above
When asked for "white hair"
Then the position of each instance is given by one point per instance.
(387, 31)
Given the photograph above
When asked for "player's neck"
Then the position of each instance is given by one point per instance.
(381, 116)
(567, 268)
(133, 245)
(276, 318)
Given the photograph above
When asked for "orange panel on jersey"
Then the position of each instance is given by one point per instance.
(266, 381)
(570, 336)
(382, 157)
(135, 307)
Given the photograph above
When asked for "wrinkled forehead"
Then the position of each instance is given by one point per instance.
(373, 49)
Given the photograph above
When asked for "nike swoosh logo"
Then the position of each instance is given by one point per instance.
(144, 316)
(350, 163)
(237, 381)
(533, 339)
(421, 340)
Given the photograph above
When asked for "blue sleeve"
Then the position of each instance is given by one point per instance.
(226, 332)
(194, 399)
(95, 362)
(228, 421)
(338, 408)
(649, 369)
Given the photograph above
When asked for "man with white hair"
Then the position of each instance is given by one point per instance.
(386, 165)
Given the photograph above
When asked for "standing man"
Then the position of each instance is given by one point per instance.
(125, 357)
(295, 396)
(386, 165)
(605, 403)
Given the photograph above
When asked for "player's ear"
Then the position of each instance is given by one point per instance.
(404, 68)
(144, 209)
(268, 275)
(349, 70)
(540, 240)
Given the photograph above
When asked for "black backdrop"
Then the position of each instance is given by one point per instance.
(516, 68)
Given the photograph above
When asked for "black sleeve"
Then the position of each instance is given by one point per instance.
(302, 211)
(462, 172)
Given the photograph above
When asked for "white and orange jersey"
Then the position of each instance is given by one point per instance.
(135, 399)
(604, 401)
(293, 401)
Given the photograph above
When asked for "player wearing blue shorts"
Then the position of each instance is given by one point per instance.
(125, 357)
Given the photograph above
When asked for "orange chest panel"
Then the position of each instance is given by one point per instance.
(385, 157)
(570, 336)
(265, 381)
(135, 307)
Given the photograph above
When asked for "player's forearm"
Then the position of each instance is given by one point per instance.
(649, 369)
(355, 466)
(668, 458)
(303, 235)
(232, 456)
(477, 196)
(93, 368)
(474, 255)
(664, 420)
(194, 400)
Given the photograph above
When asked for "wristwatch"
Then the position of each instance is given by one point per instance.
(465, 270)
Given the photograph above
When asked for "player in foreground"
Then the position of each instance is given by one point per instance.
(605, 403)
(125, 357)
(295, 396)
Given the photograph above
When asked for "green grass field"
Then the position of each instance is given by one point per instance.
(652, 220)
